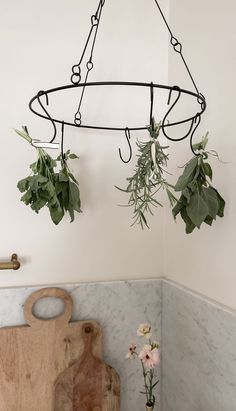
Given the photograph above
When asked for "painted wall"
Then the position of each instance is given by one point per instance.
(39, 42)
(205, 261)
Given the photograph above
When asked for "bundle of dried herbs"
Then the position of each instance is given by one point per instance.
(199, 202)
(148, 178)
(58, 191)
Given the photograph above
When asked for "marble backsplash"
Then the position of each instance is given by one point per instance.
(198, 338)
(119, 307)
(198, 352)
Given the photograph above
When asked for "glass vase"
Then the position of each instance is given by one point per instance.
(149, 407)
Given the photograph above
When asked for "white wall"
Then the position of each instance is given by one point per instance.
(205, 261)
(39, 42)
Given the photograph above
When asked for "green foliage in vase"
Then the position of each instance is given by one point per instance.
(58, 191)
(199, 202)
(148, 178)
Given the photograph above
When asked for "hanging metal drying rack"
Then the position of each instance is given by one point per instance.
(76, 79)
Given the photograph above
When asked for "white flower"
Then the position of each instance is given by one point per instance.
(144, 330)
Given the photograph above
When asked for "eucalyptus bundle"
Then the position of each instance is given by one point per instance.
(58, 191)
(148, 178)
(199, 202)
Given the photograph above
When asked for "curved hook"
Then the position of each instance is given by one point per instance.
(43, 93)
(62, 142)
(127, 135)
(151, 106)
(196, 120)
(169, 111)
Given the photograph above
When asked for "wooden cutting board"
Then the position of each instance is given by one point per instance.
(54, 365)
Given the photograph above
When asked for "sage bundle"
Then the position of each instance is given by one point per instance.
(44, 187)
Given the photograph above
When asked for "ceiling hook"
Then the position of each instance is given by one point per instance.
(127, 135)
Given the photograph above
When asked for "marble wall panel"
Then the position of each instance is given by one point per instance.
(198, 353)
(119, 307)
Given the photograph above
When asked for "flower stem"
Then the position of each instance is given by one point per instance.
(145, 382)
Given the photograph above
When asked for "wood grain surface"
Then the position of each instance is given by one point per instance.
(89, 384)
(34, 357)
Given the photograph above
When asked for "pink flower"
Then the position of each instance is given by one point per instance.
(131, 351)
(149, 357)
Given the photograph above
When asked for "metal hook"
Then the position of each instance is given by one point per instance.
(169, 111)
(196, 120)
(151, 106)
(62, 142)
(127, 135)
(43, 93)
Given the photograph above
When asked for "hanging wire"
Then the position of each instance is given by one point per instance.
(177, 47)
(127, 135)
(76, 69)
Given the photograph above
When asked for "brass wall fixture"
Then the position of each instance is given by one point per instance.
(14, 264)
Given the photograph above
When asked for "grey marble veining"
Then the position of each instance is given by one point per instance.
(198, 353)
(119, 307)
(198, 338)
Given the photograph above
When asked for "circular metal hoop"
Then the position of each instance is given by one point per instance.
(199, 98)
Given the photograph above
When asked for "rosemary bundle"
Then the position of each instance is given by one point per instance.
(148, 178)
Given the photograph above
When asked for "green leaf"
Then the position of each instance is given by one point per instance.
(74, 196)
(197, 210)
(73, 156)
(178, 207)
(23, 184)
(187, 194)
(193, 186)
(207, 169)
(188, 174)
(65, 195)
(27, 197)
(221, 202)
(202, 145)
(38, 204)
(197, 146)
(210, 197)
(73, 178)
(24, 134)
(190, 226)
(71, 213)
(63, 176)
(172, 198)
(208, 220)
(154, 385)
(56, 214)
(50, 188)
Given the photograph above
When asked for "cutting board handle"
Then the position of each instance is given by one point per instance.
(65, 317)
